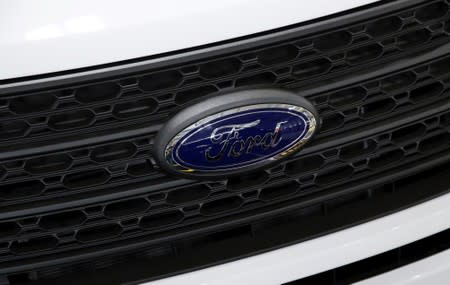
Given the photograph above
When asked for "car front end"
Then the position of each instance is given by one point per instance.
(237, 142)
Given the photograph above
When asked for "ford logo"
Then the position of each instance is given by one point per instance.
(235, 133)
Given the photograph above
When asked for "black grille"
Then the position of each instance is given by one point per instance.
(77, 178)
(169, 209)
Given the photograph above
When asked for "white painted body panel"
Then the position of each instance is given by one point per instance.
(47, 36)
(337, 249)
(434, 270)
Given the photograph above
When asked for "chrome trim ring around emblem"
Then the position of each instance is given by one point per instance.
(311, 122)
(231, 134)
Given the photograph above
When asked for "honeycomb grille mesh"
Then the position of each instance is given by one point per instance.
(107, 192)
(181, 206)
(128, 161)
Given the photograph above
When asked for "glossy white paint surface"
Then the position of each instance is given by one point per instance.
(51, 35)
(434, 270)
(331, 251)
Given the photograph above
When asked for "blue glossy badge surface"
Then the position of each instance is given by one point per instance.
(240, 137)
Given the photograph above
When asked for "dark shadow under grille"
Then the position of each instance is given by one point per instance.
(77, 176)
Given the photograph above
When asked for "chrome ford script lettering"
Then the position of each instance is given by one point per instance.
(226, 140)
(240, 137)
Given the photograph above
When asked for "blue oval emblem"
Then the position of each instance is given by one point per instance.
(240, 137)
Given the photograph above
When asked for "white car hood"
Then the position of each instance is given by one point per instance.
(38, 37)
